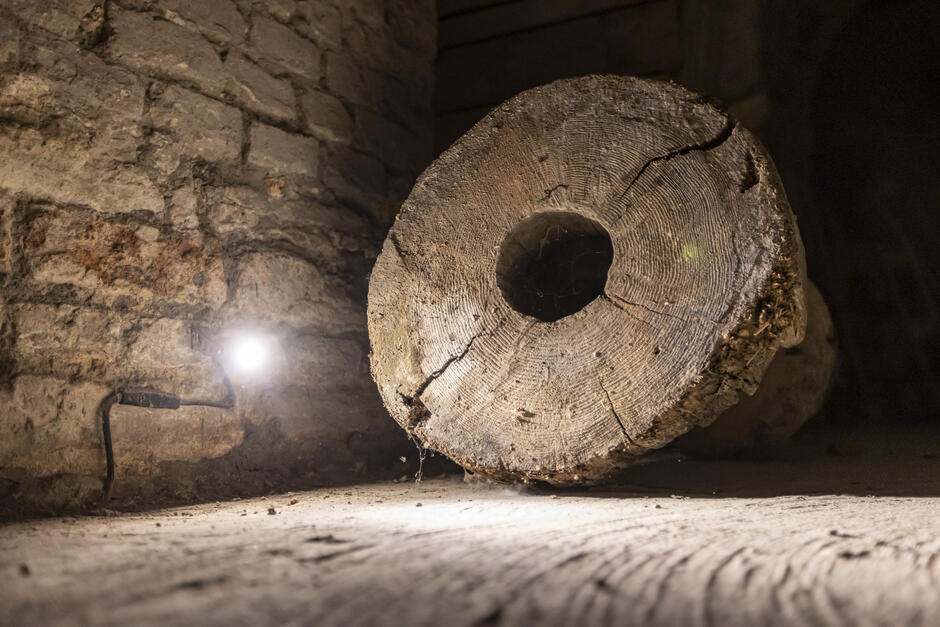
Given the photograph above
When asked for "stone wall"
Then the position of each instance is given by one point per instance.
(490, 51)
(174, 174)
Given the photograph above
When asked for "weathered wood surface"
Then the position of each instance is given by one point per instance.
(792, 391)
(471, 555)
(704, 282)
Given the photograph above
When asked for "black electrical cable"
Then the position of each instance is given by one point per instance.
(104, 410)
(153, 399)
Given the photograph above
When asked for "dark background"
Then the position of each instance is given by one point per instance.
(845, 95)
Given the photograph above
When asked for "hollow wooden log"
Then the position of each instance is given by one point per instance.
(596, 267)
(791, 392)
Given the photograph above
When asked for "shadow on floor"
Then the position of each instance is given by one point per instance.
(869, 462)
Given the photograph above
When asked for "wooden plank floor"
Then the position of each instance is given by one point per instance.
(696, 543)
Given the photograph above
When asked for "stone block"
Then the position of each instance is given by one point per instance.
(162, 49)
(275, 288)
(353, 175)
(77, 135)
(326, 116)
(325, 232)
(50, 426)
(161, 352)
(359, 188)
(407, 102)
(395, 37)
(146, 438)
(352, 81)
(76, 342)
(322, 22)
(281, 10)
(376, 46)
(277, 43)
(280, 152)
(9, 42)
(413, 25)
(372, 14)
(184, 209)
(87, 102)
(66, 341)
(365, 42)
(111, 263)
(7, 209)
(325, 416)
(218, 20)
(73, 82)
(69, 19)
(199, 126)
(326, 361)
(62, 170)
(106, 124)
(392, 143)
(257, 90)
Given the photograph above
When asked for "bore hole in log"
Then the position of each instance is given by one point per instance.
(553, 264)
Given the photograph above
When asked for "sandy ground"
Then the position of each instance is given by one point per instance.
(831, 541)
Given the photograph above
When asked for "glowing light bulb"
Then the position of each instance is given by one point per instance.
(249, 353)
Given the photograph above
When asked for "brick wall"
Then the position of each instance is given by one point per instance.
(175, 173)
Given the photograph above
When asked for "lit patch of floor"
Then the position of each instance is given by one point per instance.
(444, 552)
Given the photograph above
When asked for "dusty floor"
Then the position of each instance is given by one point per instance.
(827, 541)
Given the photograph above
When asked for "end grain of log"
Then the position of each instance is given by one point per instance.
(611, 259)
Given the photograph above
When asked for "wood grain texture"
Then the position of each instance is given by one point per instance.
(470, 555)
(705, 284)
(792, 391)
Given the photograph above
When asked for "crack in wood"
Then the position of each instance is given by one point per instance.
(612, 298)
(614, 412)
(447, 364)
(550, 192)
(711, 144)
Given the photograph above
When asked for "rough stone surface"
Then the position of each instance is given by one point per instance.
(349, 80)
(359, 179)
(172, 175)
(824, 541)
(282, 287)
(219, 20)
(326, 116)
(278, 152)
(7, 208)
(9, 41)
(198, 126)
(148, 437)
(257, 90)
(279, 44)
(111, 264)
(71, 19)
(153, 46)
